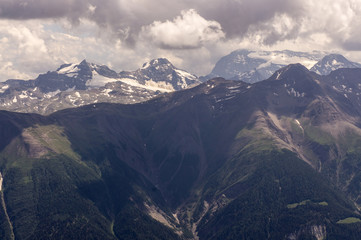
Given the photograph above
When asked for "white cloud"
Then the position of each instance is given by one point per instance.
(190, 30)
(29, 48)
(21, 48)
(192, 39)
(7, 71)
(338, 20)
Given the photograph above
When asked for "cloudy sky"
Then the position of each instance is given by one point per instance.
(39, 35)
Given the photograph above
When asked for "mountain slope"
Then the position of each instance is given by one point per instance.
(276, 159)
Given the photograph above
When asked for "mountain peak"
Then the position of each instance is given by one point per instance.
(162, 73)
(332, 62)
(296, 69)
(158, 63)
(84, 62)
(334, 56)
(73, 69)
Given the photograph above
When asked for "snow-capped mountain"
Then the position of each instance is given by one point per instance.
(254, 66)
(332, 62)
(74, 76)
(73, 85)
(162, 74)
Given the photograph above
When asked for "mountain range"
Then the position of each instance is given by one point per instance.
(254, 66)
(277, 159)
(73, 85)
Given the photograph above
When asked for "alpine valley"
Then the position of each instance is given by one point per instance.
(226, 159)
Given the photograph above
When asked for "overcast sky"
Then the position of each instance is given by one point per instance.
(39, 35)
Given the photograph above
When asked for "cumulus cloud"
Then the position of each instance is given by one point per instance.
(189, 30)
(126, 18)
(21, 48)
(29, 48)
(338, 20)
(7, 71)
(272, 21)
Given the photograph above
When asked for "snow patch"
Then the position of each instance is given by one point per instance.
(51, 94)
(336, 63)
(161, 85)
(278, 75)
(107, 91)
(72, 70)
(23, 95)
(240, 59)
(99, 80)
(135, 83)
(224, 99)
(71, 99)
(4, 88)
(129, 89)
(185, 74)
(295, 93)
(233, 87)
